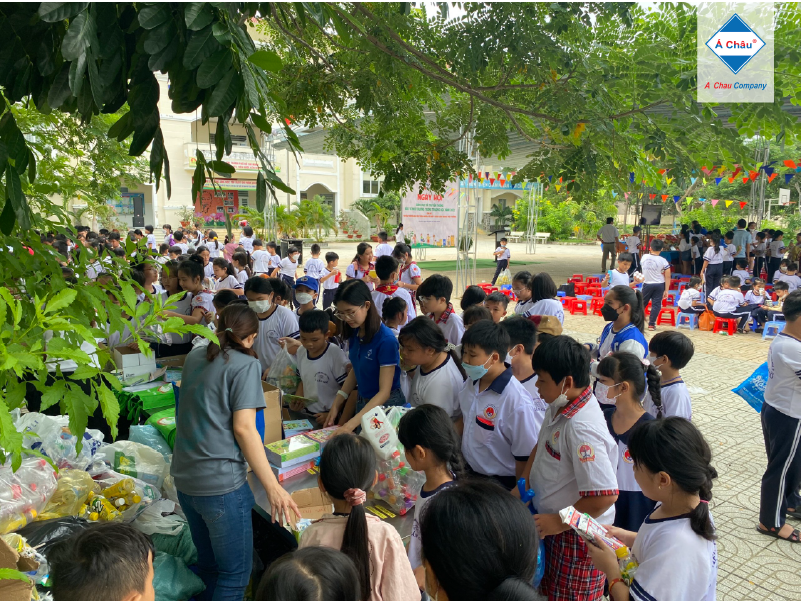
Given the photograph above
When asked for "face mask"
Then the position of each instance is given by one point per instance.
(612, 400)
(260, 306)
(609, 314)
(304, 298)
(294, 258)
(783, 269)
(560, 401)
(476, 372)
(509, 359)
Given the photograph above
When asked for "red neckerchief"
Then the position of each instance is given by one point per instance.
(573, 406)
(407, 266)
(357, 269)
(445, 314)
(387, 289)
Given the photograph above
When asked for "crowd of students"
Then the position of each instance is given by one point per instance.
(605, 427)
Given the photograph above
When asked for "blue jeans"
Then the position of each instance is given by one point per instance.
(396, 399)
(222, 531)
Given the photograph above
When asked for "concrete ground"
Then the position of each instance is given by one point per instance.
(751, 566)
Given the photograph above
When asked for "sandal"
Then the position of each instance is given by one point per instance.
(652, 328)
(795, 535)
(795, 513)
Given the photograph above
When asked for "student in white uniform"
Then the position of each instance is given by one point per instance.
(261, 258)
(502, 256)
(790, 276)
(275, 259)
(633, 247)
(522, 292)
(741, 272)
(180, 242)
(656, 282)
(498, 413)
(670, 352)
(275, 321)
(410, 275)
(315, 267)
(241, 263)
(246, 238)
(386, 268)
(781, 427)
(225, 275)
(712, 271)
(690, 299)
(383, 249)
(543, 295)
(574, 463)
(675, 546)
(729, 303)
(625, 377)
(438, 376)
(329, 281)
(522, 341)
(181, 344)
(190, 279)
(214, 245)
(400, 237)
(151, 239)
(619, 276)
(362, 265)
(776, 252)
(434, 296)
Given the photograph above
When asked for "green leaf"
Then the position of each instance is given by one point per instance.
(261, 192)
(18, 201)
(201, 45)
(213, 68)
(157, 156)
(224, 94)
(78, 37)
(111, 408)
(159, 37)
(84, 372)
(221, 167)
(154, 15)
(31, 166)
(221, 33)
(10, 439)
(63, 299)
(144, 133)
(197, 15)
(167, 174)
(267, 60)
(77, 71)
(52, 394)
(7, 218)
(201, 330)
(52, 12)
(78, 412)
(129, 294)
(60, 88)
(261, 123)
(9, 574)
(122, 128)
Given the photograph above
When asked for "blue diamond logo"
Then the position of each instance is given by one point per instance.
(735, 43)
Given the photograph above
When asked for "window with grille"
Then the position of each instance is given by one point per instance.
(243, 199)
(235, 140)
(370, 186)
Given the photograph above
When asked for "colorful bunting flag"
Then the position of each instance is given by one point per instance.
(664, 197)
(705, 169)
(626, 194)
(690, 198)
(558, 187)
(789, 163)
(742, 204)
(753, 174)
(669, 179)
(728, 203)
(772, 176)
(503, 181)
(717, 180)
(549, 177)
(676, 198)
(492, 181)
(639, 195)
(745, 180)
(702, 199)
(788, 177)
(715, 201)
(768, 170)
(736, 171)
(721, 170)
(652, 196)
(692, 180)
(614, 194)
(731, 180)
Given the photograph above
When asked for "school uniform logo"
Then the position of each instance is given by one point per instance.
(627, 457)
(586, 453)
(555, 438)
(489, 412)
(487, 421)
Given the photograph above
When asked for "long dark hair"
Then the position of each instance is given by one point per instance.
(716, 241)
(360, 250)
(431, 427)
(542, 286)
(223, 264)
(480, 542)
(675, 446)
(633, 298)
(427, 334)
(311, 574)
(627, 367)
(193, 267)
(685, 231)
(347, 462)
(243, 258)
(397, 229)
(356, 293)
(235, 323)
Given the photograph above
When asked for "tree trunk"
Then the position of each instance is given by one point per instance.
(686, 192)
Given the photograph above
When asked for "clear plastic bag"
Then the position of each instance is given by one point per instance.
(505, 277)
(24, 493)
(50, 436)
(153, 521)
(137, 460)
(283, 373)
(398, 485)
(150, 437)
(130, 496)
(71, 494)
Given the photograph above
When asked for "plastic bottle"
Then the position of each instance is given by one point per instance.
(120, 489)
(628, 565)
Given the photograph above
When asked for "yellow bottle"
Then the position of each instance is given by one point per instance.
(628, 565)
(120, 489)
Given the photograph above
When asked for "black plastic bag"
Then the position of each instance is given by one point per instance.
(49, 532)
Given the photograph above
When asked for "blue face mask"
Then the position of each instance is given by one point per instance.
(476, 372)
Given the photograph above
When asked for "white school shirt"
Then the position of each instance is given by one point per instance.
(379, 298)
(713, 295)
(576, 457)
(280, 324)
(688, 296)
(407, 275)
(184, 307)
(522, 308)
(246, 243)
(322, 376)
(242, 277)
(208, 270)
(261, 261)
(728, 301)
(315, 268)
(183, 246)
(675, 401)
(759, 249)
(214, 248)
(783, 391)
(451, 325)
(288, 268)
(619, 279)
(330, 283)
(675, 563)
(540, 406)
(94, 269)
(696, 251)
(415, 542)
(684, 245)
(382, 250)
(547, 306)
(653, 267)
(275, 262)
(498, 425)
(355, 272)
(151, 241)
(793, 281)
(753, 299)
(777, 274)
(229, 282)
(633, 244)
(440, 386)
(400, 236)
(730, 251)
(505, 253)
(204, 300)
(777, 249)
(742, 274)
(714, 258)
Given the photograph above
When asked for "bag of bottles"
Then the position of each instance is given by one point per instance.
(72, 492)
(24, 493)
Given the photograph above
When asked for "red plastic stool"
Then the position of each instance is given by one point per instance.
(508, 294)
(648, 309)
(567, 301)
(667, 317)
(725, 324)
(577, 277)
(579, 287)
(595, 305)
(674, 285)
(593, 280)
(577, 305)
(594, 290)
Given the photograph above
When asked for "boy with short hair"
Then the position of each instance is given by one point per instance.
(434, 296)
(730, 303)
(175, 252)
(107, 562)
(261, 258)
(633, 247)
(387, 268)
(577, 465)
(275, 259)
(383, 249)
(522, 341)
(656, 281)
(763, 315)
(314, 267)
(322, 366)
(502, 256)
(151, 238)
(330, 279)
(776, 253)
(619, 276)
(670, 352)
(742, 271)
(498, 413)
(497, 303)
(790, 276)
(306, 289)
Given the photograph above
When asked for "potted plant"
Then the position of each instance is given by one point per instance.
(343, 221)
(186, 215)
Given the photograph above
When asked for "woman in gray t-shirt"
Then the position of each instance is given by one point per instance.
(215, 441)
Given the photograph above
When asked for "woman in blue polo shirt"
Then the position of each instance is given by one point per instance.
(374, 354)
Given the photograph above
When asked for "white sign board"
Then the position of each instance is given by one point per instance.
(784, 196)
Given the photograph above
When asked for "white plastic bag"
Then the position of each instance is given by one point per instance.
(50, 435)
(505, 277)
(137, 460)
(151, 520)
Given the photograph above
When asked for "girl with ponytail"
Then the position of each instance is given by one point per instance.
(625, 377)
(216, 439)
(433, 447)
(347, 471)
(712, 271)
(675, 545)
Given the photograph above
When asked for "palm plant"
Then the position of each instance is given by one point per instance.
(382, 216)
(286, 221)
(501, 215)
(321, 217)
(254, 219)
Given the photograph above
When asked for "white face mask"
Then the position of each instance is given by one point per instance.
(652, 360)
(612, 400)
(260, 306)
(294, 258)
(304, 298)
(560, 401)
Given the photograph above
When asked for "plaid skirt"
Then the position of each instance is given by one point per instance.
(569, 573)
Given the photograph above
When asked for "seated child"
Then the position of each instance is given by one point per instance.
(730, 303)
(306, 288)
(755, 297)
(576, 466)
(347, 471)
(742, 273)
(543, 295)
(619, 276)
(394, 314)
(322, 366)
(315, 569)
(790, 276)
(762, 315)
(713, 296)
(782, 269)
(498, 413)
(387, 270)
(475, 314)
(473, 295)
(670, 352)
(522, 341)
(434, 296)
(496, 303)
(690, 299)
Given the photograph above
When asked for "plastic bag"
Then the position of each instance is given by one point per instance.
(137, 460)
(150, 437)
(753, 388)
(283, 373)
(24, 493)
(152, 520)
(377, 428)
(50, 435)
(115, 486)
(171, 493)
(71, 493)
(706, 321)
(43, 535)
(38, 573)
(398, 485)
(505, 277)
(164, 422)
(173, 581)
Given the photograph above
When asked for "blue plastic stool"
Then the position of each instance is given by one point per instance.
(687, 320)
(584, 296)
(560, 293)
(773, 329)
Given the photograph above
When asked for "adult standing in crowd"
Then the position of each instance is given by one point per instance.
(742, 241)
(608, 235)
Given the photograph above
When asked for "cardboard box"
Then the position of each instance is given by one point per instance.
(271, 422)
(312, 503)
(172, 362)
(15, 590)
(132, 363)
(292, 451)
(293, 427)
